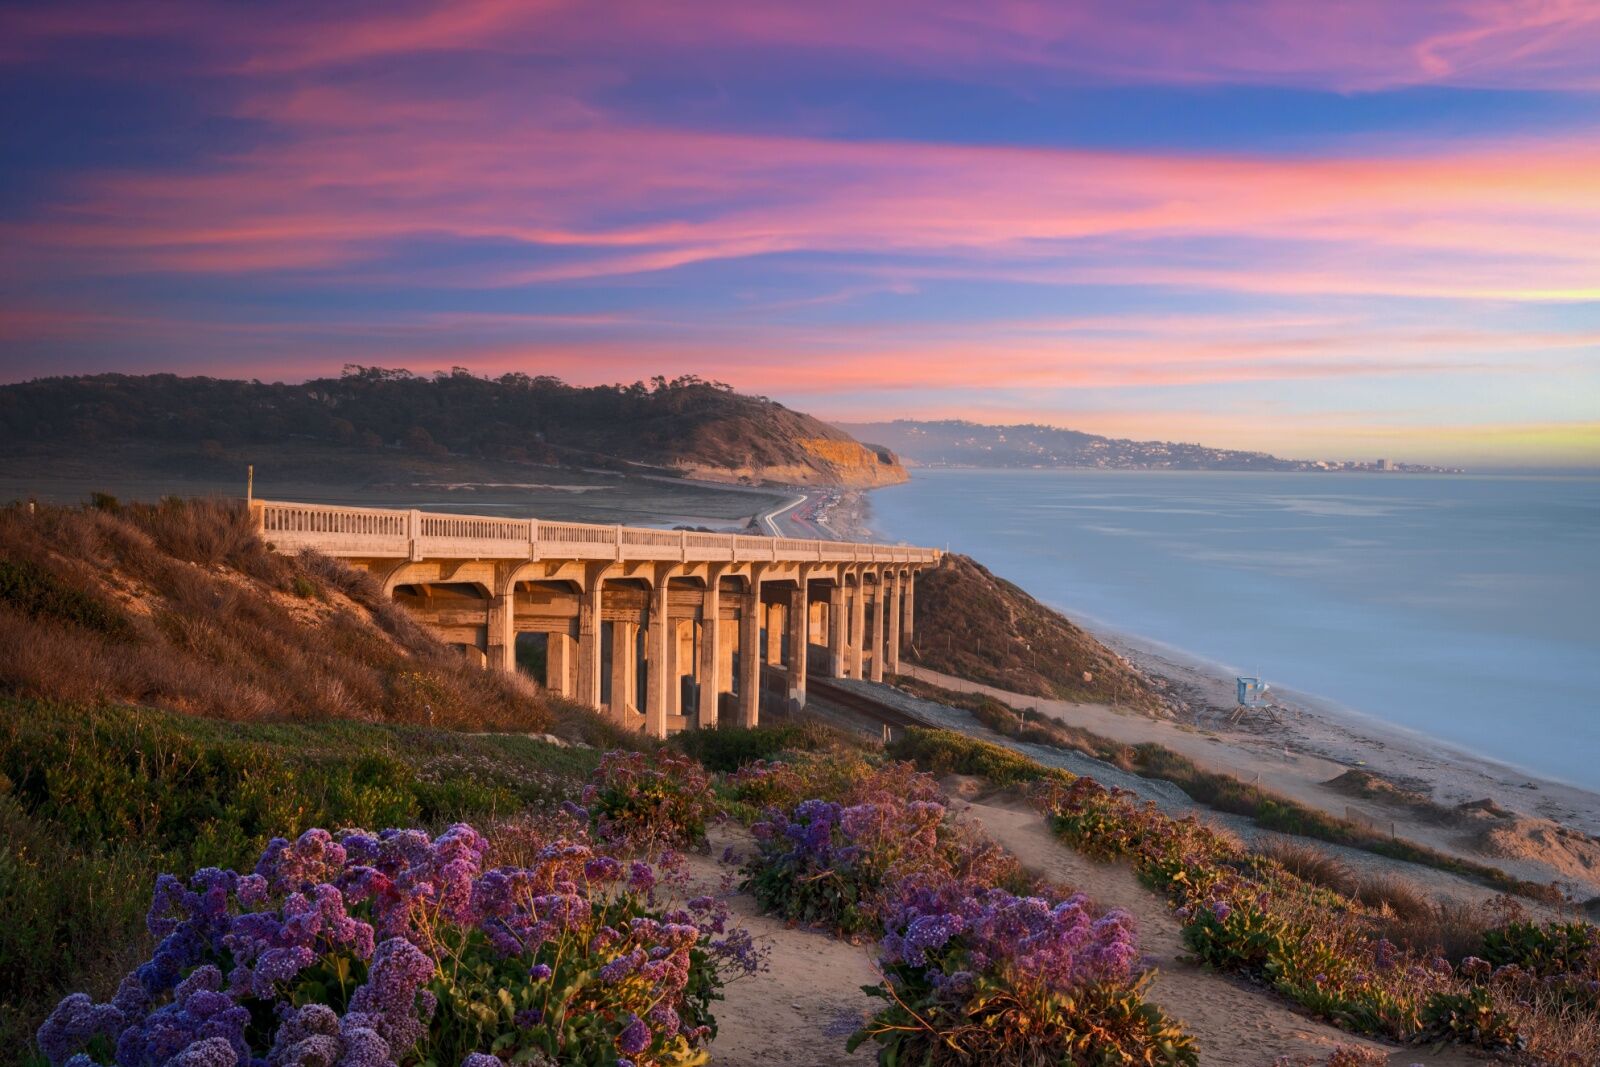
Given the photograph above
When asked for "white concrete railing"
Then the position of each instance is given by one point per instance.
(383, 533)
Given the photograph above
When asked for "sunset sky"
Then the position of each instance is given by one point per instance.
(1320, 229)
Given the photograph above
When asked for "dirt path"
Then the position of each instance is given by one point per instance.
(800, 1011)
(1236, 1025)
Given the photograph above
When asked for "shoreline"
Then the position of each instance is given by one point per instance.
(1314, 740)
(1323, 728)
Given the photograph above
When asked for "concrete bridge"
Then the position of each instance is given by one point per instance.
(665, 630)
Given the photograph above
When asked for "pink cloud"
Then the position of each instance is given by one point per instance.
(1350, 46)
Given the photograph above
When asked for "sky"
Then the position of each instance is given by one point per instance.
(1326, 230)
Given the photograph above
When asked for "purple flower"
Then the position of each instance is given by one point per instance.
(76, 1020)
(539, 972)
(481, 1059)
(635, 1037)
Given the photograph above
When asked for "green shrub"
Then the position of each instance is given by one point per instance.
(35, 592)
(1470, 1017)
(649, 802)
(725, 750)
(947, 752)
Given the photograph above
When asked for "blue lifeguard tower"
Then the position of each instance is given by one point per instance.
(1252, 698)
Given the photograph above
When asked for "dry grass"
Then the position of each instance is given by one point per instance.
(211, 623)
(1400, 897)
(1311, 863)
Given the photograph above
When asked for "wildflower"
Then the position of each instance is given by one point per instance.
(539, 972)
(635, 1037)
(75, 1021)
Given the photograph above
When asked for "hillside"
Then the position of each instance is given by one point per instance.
(180, 606)
(974, 625)
(684, 427)
(957, 443)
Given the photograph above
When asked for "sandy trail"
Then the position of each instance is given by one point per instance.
(1236, 1025)
(800, 1011)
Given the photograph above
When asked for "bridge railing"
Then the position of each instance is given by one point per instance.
(383, 533)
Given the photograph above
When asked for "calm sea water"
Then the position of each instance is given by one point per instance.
(1462, 607)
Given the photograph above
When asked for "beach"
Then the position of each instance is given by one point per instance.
(1481, 799)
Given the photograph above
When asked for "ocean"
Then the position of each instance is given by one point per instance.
(1462, 607)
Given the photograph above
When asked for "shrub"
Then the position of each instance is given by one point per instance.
(1470, 1017)
(727, 749)
(978, 976)
(30, 590)
(400, 948)
(826, 864)
(649, 802)
(1327, 951)
(1310, 862)
(947, 752)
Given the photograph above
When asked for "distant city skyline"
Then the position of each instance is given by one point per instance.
(1321, 231)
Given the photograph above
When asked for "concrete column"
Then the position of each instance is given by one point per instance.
(558, 656)
(799, 642)
(750, 653)
(891, 645)
(729, 629)
(775, 634)
(589, 642)
(875, 631)
(858, 624)
(675, 660)
(837, 625)
(659, 640)
(624, 670)
(710, 670)
(502, 633)
(907, 609)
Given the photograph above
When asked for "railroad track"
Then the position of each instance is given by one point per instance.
(862, 703)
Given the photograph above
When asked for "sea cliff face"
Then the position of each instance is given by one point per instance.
(815, 461)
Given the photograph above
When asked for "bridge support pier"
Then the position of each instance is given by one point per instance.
(558, 656)
(837, 626)
(875, 631)
(588, 688)
(858, 624)
(710, 668)
(624, 671)
(891, 647)
(502, 633)
(908, 603)
(799, 642)
(750, 652)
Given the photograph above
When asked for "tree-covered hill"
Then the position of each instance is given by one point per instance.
(686, 425)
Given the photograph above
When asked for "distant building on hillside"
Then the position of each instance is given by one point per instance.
(1385, 465)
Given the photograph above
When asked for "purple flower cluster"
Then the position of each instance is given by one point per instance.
(381, 911)
(951, 929)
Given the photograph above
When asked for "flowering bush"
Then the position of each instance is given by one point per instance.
(829, 861)
(978, 975)
(1327, 951)
(397, 948)
(826, 863)
(649, 802)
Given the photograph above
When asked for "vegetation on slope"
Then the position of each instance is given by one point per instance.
(974, 625)
(181, 606)
(685, 425)
(96, 801)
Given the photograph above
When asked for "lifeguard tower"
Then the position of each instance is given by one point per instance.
(1252, 695)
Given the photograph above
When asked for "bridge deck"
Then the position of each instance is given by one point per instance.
(386, 533)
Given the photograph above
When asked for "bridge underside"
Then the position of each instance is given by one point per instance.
(665, 647)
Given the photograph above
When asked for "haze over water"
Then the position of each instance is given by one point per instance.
(1461, 607)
